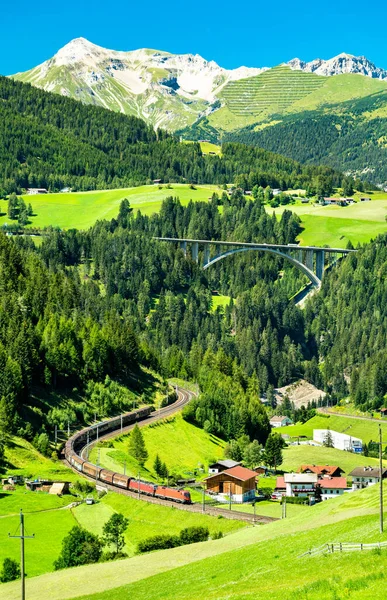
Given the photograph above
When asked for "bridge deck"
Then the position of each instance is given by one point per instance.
(256, 245)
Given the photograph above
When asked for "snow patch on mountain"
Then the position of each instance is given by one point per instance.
(338, 65)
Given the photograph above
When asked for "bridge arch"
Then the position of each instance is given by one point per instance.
(299, 265)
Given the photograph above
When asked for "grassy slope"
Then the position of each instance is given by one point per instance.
(23, 459)
(263, 558)
(80, 210)
(283, 91)
(364, 429)
(335, 225)
(330, 225)
(182, 446)
(295, 456)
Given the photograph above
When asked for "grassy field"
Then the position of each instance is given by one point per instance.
(23, 459)
(295, 456)
(80, 210)
(254, 562)
(182, 446)
(219, 300)
(48, 518)
(336, 225)
(362, 428)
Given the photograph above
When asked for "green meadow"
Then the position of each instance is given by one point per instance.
(322, 225)
(362, 428)
(255, 562)
(182, 446)
(335, 226)
(80, 210)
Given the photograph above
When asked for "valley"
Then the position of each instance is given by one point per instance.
(174, 422)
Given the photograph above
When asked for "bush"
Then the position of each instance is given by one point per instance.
(11, 570)
(79, 547)
(295, 500)
(159, 542)
(217, 535)
(191, 535)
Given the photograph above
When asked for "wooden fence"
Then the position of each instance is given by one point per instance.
(343, 547)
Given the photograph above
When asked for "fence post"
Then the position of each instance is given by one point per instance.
(341, 547)
(361, 546)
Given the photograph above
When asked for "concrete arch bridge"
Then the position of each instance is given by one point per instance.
(313, 261)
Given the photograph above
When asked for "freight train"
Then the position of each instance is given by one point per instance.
(75, 445)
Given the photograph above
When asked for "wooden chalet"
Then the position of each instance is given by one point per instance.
(237, 481)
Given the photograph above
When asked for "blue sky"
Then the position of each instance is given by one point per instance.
(251, 33)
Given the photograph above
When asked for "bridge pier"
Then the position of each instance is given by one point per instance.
(195, 252)
(183, 246)
(320, 262)
(309, 259)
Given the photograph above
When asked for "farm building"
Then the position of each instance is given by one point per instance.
(364, 476)
(340, 441)
(332, 487)
(35, 191)
(321, 470)
(238, 482)
(280, 421)
(300, 484)
(222, 465)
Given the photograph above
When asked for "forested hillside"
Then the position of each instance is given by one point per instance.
(51, 141)
(86, 305)
(349, 137)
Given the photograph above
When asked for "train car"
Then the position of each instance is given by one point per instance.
(106, 476)
(121, 481)
(136, 485)
(91, 470)
(167, 493)
(76, 462)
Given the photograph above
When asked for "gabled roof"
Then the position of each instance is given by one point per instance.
(238, 472)
(320, 469)
(367, 472)
(280, 483)
(278, 419)
(227, 463)
(330, 483)
(300, 478)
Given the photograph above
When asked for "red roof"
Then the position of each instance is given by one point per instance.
(320, 469)
(239, 473)
(339, 483)
(280, 484)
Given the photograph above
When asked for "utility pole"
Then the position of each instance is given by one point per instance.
(87, 446)
(96, 470)
(204, 500)
(284, 507)
(139, 485)
(22, 537)
(121, 422)
(68, 428)
(56, 435)
(381, 477)
(230, 498)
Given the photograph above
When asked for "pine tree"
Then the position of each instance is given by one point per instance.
(157, 466)
(137, 446)
(273, 450)
(328, 439)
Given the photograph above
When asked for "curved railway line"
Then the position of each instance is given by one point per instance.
(78, 448)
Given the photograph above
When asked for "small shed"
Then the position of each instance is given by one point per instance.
(59, 488)
(238, 482)
(280, 421)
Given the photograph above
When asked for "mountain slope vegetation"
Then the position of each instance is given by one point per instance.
(51, 141)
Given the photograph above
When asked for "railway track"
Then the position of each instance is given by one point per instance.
(183, 397)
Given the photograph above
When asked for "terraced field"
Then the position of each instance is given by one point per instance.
(276, 90)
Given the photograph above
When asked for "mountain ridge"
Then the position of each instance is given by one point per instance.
(166, 90)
